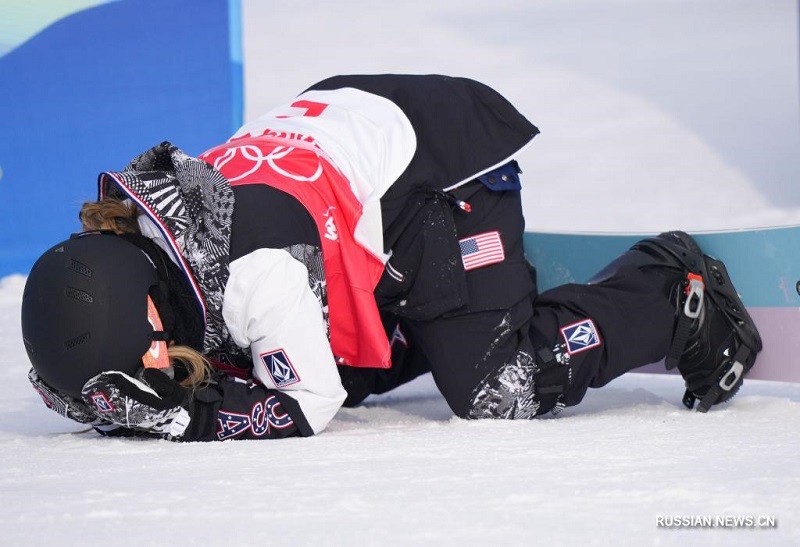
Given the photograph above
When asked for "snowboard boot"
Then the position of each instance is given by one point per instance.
(715, 342)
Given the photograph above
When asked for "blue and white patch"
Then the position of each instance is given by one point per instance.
(280, 368)
(102, 403)
(581, 336)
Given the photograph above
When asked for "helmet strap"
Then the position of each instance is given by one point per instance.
(157, 355)
(180, 312)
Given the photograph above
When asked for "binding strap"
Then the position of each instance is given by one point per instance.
(692, 308)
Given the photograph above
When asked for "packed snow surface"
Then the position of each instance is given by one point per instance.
(654, 115)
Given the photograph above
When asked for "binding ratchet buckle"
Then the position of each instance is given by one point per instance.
(730, 379)
(694, 296)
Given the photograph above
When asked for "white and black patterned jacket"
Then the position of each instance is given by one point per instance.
(252, 253)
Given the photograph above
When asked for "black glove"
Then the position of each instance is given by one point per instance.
(155, 405)
(71, 408)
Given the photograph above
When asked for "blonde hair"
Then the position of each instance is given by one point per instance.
(121, 218)
(110, 214)
(197, 366)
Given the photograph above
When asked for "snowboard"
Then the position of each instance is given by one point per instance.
(764, 265)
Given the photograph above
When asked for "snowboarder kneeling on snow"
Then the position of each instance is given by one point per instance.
(373, 224)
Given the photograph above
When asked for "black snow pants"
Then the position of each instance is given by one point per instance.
(500, 349)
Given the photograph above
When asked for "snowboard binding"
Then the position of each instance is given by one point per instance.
(715, 342)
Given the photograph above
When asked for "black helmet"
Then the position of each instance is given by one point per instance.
(84, 310)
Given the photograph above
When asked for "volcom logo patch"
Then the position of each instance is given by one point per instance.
(581, 336)
(101, 402)
(280, 368)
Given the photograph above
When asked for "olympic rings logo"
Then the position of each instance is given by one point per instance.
(251, 158)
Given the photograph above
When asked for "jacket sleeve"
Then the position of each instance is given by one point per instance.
(270, 308)
(236, 409)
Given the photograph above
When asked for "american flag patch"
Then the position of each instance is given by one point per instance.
(481, 250)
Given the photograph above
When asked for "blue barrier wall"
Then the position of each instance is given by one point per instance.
(94, 89)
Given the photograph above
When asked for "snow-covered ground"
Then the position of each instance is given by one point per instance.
(647, 110)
